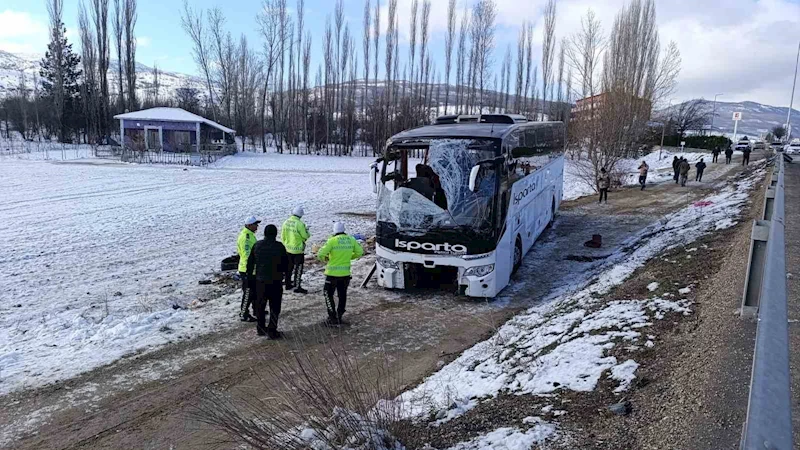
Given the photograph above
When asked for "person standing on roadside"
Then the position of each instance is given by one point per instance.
(746, 156)
(728, 155)
(676, 168)
(684, 171)
(338, 252)
(643, 168)
(715, 154)
(267, 265)
(294, 235)
(244, 245)
(603, 182)
(700, 167)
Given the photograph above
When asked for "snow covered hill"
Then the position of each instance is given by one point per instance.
(756, 118)
(13, 64)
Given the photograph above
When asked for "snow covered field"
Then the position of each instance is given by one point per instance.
(93, 255)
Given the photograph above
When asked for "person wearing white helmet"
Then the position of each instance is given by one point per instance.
(294, 235)
(244, 245)
(337, 253)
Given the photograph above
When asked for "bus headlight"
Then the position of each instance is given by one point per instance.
(386, 263)
(479, 271)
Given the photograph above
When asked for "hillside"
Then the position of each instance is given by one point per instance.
(757, 118)
(11, 65)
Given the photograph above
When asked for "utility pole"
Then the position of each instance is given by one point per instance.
(714, 114)
(791, 100)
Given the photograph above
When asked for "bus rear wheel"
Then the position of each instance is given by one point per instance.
(517, 256)
(552, 214)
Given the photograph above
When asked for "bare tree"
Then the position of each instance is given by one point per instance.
(365, 39)
(424, 64)
(461, 59)
(691, 115)
(270, 28)
(100, 19)
(448, 50)
(520, 78)
(528, 65)
(192, 22)
(90, 71)
(412, 45)
(390, 54)
(117, 25)
(548, 50)
(130, 51)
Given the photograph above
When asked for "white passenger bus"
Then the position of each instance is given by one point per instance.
(481, 191)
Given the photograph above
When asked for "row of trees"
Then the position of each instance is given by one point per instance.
(621, 75)
(75, 100)
(266, 90)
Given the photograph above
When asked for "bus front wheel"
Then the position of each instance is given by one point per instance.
(517, 256)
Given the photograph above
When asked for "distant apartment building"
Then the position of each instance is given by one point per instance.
(590, 108)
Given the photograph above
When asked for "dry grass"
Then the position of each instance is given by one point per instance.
(320, 396)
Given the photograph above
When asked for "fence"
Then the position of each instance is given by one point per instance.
(47, 150)
(207, 155)
(769, 409)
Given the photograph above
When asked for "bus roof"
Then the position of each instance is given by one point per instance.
(464, 130)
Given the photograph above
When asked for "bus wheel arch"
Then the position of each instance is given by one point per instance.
(517, 255)
(552, 213)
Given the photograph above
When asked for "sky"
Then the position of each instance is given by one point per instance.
(742, 49)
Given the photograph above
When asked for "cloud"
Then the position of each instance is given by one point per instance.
(143, 41)
(21, 32)
(745, 50)
(16, 24)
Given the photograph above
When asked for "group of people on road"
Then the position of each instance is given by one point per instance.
(729, 155)
(681, 167)
(269, 266)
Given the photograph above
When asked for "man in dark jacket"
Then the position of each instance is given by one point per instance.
(715, 153)
(269, 263)
(684, 171)
(746, 156)
(728, 155)
(701, 166)
(676, 168)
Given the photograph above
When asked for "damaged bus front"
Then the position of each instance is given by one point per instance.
(445, 196)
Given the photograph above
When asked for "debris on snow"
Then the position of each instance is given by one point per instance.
(685, 290)
(652, 286)
(621, 409)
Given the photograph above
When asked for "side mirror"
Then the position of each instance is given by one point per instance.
(473, 177)
(373, 177)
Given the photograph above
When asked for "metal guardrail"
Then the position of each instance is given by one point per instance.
(769, 409)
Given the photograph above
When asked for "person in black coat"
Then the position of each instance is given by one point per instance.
(269, 262)
(701, 166)
(746, 156)
(715, 153)
(728, 155)
(676, 168)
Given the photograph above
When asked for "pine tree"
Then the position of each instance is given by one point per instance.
(60, 72)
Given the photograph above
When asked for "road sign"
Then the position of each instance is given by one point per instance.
(683, 143)
(737, 115)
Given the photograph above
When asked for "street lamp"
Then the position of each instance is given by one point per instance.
(714, 114)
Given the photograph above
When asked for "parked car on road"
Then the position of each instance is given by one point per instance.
(741, 145)
(760, 145)
(793, 148)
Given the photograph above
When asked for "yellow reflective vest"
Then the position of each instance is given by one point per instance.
(338, 252)
(244, 245)
(294, 235)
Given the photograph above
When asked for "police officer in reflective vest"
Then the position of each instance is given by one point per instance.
(294, 235)
(244, 245)
(338, 252)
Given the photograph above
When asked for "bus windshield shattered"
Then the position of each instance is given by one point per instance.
(432, 191)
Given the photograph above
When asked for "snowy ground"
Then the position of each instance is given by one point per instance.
(95, 255)
(566, 343)
(660, 170)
